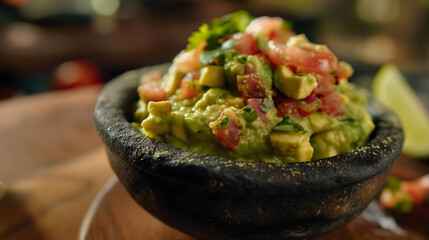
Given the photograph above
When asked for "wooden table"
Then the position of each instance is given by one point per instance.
(53, 165)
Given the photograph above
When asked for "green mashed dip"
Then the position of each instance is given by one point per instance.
(251, 89)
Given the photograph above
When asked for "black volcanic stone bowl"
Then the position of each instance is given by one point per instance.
(215, 198)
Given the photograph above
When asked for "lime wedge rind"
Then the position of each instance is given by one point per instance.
(392, 89)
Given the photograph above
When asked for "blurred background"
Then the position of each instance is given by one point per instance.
(48, 45)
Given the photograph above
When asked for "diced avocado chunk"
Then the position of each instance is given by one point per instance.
(161, 108)
(159, 116)
(296, 86)
(209, 98)
(150, 125)
(345, 68)
(232, 70)
(141, 111)
(296, 145)
(212, 76)
(136, 126)
(171, 81)
(319, 122)
(177, 123)
(262, 68)
(329, 143)
(302, 41)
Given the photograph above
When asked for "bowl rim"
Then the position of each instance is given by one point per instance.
(233, 176)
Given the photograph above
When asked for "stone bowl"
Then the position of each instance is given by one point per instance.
(215, 198)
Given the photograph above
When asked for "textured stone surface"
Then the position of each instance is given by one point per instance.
(211, 198)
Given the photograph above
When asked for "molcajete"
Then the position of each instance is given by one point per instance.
(215, 198)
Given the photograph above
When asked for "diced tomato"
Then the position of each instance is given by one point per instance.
(325, 84)
(277, 96)
(280, 37)
(152, 91)
(251, 86)
(245, 43)
(415, 191)
(321, 62)
(271, 27)
(188, 87)
(256, 104)
(331, 104)
(288, 106)
(229, 137)
(309, 105)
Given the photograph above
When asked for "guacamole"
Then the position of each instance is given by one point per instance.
(251, 89)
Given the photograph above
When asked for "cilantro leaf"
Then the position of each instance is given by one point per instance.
(229, 44)
(218, 28)
(284, 128)
(267, 104)
(208, 57)
(249, 113)
(289, 124)
(287, 24)
(192, 84)
(224, 123)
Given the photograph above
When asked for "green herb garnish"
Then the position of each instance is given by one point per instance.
(289, 124)
(224, 123)
(267, 104)
(404, 206)
(192, 84)
(299, 75)
(249, 113)
(218, 28)
(208, 57)
(393, 184)
(284, 128)
(229, 44)
(333, 72)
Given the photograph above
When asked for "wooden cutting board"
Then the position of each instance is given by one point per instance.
(115, 215)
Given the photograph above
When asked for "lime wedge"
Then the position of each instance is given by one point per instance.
(392, 89)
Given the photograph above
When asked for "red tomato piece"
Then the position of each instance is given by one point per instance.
(277, 96)
(325, 84)
(230, 137)
(310, 61)
(415, 191)
(245, 43)
(74, 74)
(309, 105)
(152, 91)
(188, 88)
(331, 104)
(288, 106)
(256, 104)
(281, 37)
(251, 86)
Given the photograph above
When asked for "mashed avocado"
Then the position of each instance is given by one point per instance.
(266, 95)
